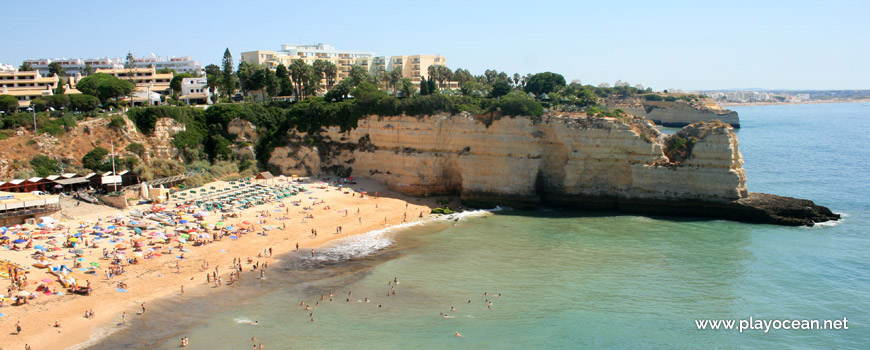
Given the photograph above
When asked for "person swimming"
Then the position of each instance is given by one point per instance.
(459, 335)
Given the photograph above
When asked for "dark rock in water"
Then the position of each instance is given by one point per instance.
(760, 208)
(773, 209)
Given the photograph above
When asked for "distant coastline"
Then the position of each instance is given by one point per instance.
(734, 104)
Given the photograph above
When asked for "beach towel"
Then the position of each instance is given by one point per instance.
(121, 290)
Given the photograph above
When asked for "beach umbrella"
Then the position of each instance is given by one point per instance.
(4, 238)
(79, 251)
(95, 264)
(100, 234)
(23, 293)
(73, 239)
(40, 247)
(182, 221)
(111, 228)
(137, 230)
(19, 241)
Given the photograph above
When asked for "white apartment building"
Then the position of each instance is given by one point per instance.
(75, 65)
(195, 91)
(182, 64)
(4, 68)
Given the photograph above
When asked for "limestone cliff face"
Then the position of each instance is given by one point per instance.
(679, 113)
(524, 160)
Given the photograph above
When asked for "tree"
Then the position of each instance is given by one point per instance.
(59, 90)
(84, 103)
(543, 83)
(433, 89)
(8, 104)
(244, 73)
(424, 86)
(129, 62)
(312, 85)
(56, 68)
(516, 79)
(470, 88)
(44, 166)
(227, 76)
(175, 83)
(433, 73)
(88, 70)
(407, 87)
(104, 86)
(212, 77)
(490, 76)
(444, 74)
(461, 76)
(299, 72)
(285, 85)
(94, 160)
(39, 103)
(330, 73)
(25, 67)
(357, 75)
(338, 92)
(318, 68)
(500, 88)
(57, 101)
(396, 76)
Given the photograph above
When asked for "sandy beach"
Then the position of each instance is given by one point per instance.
(328, 207)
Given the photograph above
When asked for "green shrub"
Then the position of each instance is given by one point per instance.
(136, 148)
(44, 166)
(117, 122)
(653, 97)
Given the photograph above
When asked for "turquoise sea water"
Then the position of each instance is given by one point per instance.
(572, 279)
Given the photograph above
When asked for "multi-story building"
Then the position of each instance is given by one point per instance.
(181, 64)
(7, 68)
(195, 91)
(417, 66)
(74, 65)
(413, 67)
(343, 59)
(143, 78)
(25, 86)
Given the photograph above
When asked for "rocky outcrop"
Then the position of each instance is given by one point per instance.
(243, 129)
(679, 113)
(560, 159)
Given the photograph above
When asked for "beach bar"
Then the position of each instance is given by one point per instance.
(16, 208)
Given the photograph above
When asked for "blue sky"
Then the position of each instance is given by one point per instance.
(661, 44)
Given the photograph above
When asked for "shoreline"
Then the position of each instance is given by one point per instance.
(151, 280)
(813, 102)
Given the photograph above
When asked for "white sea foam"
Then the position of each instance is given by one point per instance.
(359, 246)
(96, 336)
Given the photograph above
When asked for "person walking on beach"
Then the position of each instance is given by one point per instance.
(18, 328)
(312, 253)
(124, 318)
(143, 309)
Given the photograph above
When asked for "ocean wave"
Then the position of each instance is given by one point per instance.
(97, 335)
(363, 245)
(831, 223)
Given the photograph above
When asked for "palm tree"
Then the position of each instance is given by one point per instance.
(444, 74)
(330, 72)
(433, 72)
(516, 79)
(395, 76)
(299, 72)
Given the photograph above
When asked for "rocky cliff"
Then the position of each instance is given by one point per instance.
(559, 159)
(677, 113)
